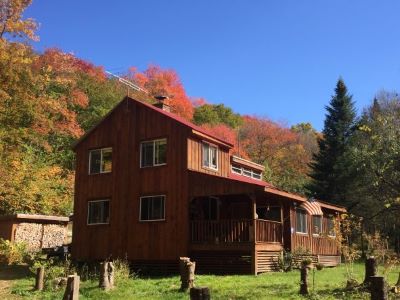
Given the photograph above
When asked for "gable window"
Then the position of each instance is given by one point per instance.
(210, 156)
(152, 208)
(100, 161)
(98, 212)
(331, 226)
(301, 221)
(317, 224)
(153, 153)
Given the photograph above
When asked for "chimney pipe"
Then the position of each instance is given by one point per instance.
(161, 103)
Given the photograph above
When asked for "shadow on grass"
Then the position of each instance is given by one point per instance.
(14, 272)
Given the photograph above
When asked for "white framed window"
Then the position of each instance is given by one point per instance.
(152, 208)
(100, 161)
(98, 212)
(317, 225)
(153, 153)
(246, 172)
(301, 221)
(210, 156)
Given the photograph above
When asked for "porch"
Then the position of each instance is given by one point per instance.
(237, 233)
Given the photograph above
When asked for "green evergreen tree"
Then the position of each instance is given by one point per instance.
(328, 172)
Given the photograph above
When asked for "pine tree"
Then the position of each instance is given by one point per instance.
(328, 172)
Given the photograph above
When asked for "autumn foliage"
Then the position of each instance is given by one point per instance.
(158, 82)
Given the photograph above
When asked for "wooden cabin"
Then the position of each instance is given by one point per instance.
(152, 187)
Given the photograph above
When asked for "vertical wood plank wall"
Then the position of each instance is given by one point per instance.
(124, 129)
(195, 161)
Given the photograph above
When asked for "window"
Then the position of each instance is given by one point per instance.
(152, 208)
(100, 161)
(210, 156)
(98, 212)
(153, 153)
(246, 172)
(331, 226)
(301, 221)
(317, 224)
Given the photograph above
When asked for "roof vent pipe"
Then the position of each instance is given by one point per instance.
(161, 103)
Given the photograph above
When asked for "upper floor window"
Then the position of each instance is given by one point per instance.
(152, 208)
(153, 153)
(301, 221)
(210, 156)
(100, 161)
(317, 224)
(98, 212)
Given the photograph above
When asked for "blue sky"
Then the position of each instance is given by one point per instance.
(279, 59)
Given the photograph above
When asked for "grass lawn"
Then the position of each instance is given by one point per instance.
(329, 284)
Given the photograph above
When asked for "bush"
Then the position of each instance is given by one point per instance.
(121, 270)
(13, 253)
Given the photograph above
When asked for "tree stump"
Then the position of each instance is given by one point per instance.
(199, 293)
(371, 269)
(106, 280)
(111, 270)
(378, 288)
(187, 269)
(39, 284)
(304, 280)
(72, 288)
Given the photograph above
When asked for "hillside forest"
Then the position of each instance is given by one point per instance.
(49, 99)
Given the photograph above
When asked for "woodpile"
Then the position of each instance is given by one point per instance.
(53, 235)
(38, 236)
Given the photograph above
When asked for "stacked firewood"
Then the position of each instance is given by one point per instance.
(37, 236)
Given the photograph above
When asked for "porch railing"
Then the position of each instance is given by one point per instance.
(235, 231)
(268, 231)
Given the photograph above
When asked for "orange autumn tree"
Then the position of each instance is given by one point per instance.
(165, 82)
(278, 149)
(228, 134)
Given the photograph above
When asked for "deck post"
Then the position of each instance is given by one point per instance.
(254, 235)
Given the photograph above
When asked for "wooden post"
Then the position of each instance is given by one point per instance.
(199, 293)
(39, 283)
(72, 288)
(253, 238)
(104, 281)
(187, 271)
(304, 280)
(371, 269)
(378, 288)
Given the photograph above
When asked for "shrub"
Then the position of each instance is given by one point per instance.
(121, 270)
(13, 253)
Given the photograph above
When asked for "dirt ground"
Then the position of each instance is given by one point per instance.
(7, 275)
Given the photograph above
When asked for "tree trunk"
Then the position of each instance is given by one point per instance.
(199, 293)
(371, 269)
(304, 280)
(378, 288)
(187, 269)
(72, 288)
(39, 279)
(104, 281)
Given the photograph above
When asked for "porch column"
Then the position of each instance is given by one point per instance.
(254, 235)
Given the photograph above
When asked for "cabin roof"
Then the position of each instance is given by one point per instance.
(245, 179)
(173, 116)
(47, 218)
